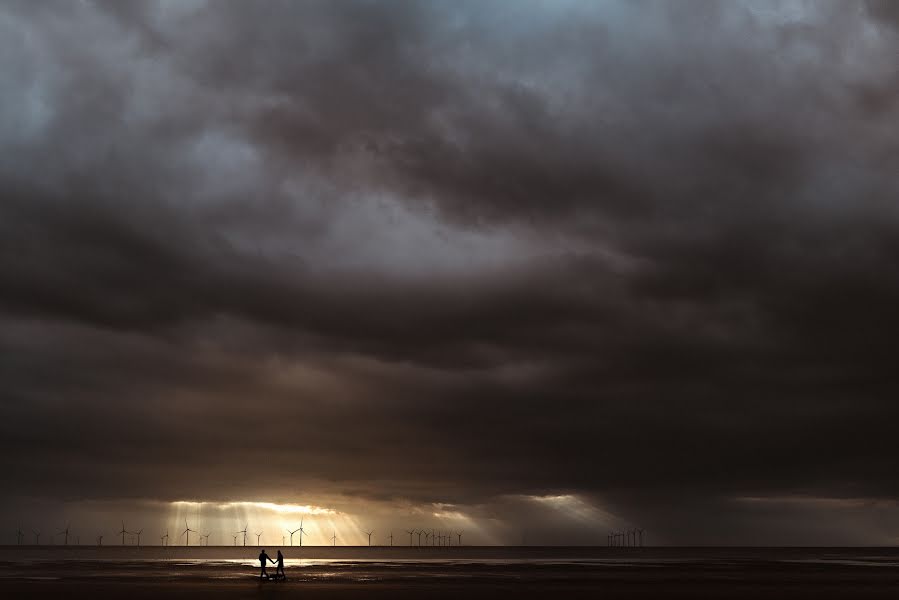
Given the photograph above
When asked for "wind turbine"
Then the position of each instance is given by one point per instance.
(187, 530)
(258, 535)
(411, 532)
(165, 537)
(368, 533)
(293, 532)
(137, 533)
(205, 535)
(334, 538)
(123, 532)
(419, 536)
(459, 533)
(244, 532)
(235, 539)
(302, 531)
(640, 531)
(391, 537)
(37, 537)
(99, 540)
(64, 532)
(19, 535)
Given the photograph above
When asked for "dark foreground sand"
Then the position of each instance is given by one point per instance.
(672, 589)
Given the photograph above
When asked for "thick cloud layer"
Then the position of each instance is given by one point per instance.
(453, 253)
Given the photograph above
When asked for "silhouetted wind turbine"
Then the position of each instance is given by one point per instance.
(368, 533)
(291, 534)
(37, 537)
(123, 532)
(19, 536)
(302, 531)
(64, 532)
(235, 539)
(258, 535)
(391, 538)
(99, 540)
(166, 536)
(640, 531)
(459, 533)
(244, 532)
(334, 538)
(411, 532)
(137, 533)
(205, 535)
(187, 530)
(419, 536)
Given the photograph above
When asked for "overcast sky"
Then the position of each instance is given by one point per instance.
(554, 267)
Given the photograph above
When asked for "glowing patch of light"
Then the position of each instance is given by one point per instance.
(284, 509)
(576, 508)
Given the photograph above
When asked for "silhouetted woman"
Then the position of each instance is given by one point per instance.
(280, 567)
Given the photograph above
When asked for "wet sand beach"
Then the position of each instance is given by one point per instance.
(346, 572)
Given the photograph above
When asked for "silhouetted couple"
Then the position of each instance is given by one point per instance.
(279, 570)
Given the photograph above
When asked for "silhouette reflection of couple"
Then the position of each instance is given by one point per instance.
(279, 570)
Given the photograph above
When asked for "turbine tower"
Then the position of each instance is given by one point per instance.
(258, 535)
(419, 536)
(244, 532)
(411, 532)
(123, 532)
(235, 539)
(293, 532)
(20, 537)
(391, 537)
(368, 533)
(137, 533)
(302, 531)
(459, 534)
(205, 535)
(334, 538)
(187, 531)
(64, 532)
(37, 537)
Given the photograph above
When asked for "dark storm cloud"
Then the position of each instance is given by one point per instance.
(449, 251)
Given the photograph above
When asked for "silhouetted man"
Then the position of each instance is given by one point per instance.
(280, 568)
(262, 558)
